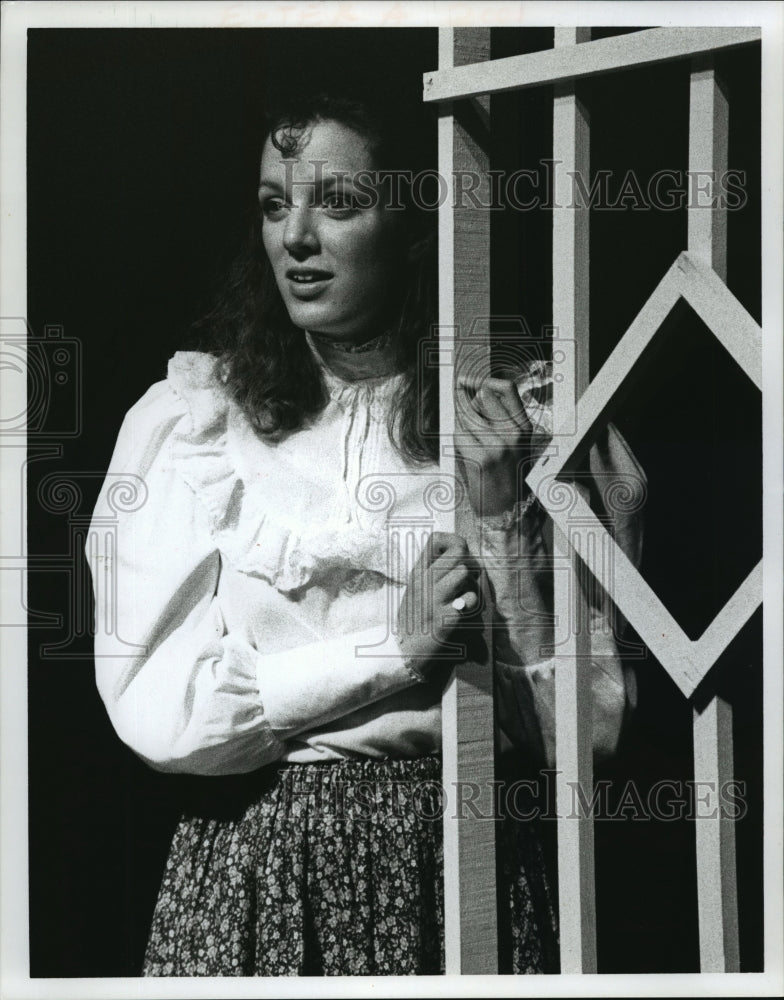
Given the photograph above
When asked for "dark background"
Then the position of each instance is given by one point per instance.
(143, 149)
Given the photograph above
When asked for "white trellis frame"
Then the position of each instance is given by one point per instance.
(698, 276)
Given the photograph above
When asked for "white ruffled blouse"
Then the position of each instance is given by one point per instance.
(242, 616)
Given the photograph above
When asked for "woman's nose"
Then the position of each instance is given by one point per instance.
(299, 236)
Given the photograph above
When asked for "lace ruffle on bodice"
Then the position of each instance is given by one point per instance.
(264, 509)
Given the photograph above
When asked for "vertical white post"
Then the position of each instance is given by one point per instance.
(573, 713)
(717, 893)
(715, 835)
(708, 136)
(471, 937)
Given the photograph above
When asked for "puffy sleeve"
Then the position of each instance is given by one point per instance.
(185, 693)
(520, 544)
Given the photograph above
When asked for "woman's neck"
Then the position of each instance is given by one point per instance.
(356, 360)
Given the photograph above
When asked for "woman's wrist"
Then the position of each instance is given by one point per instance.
(511, 517)
(413, 660)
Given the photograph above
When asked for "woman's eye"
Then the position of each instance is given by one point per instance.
(273, 207)
(339, 204)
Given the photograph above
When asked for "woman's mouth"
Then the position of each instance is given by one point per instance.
(306, 282)
(307, 275)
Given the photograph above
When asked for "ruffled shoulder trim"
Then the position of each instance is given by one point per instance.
(196, 379)
(199, 444)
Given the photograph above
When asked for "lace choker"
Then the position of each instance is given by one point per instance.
(374, 344)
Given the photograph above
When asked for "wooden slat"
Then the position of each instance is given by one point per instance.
(713, 764)
(717, 892)
(471, 935)
(641, 48)
(708, 132)
(721, 312)
(573, 712)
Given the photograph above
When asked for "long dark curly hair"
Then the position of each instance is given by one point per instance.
(267, 363)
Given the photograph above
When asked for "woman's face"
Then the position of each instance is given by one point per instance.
(335, 262)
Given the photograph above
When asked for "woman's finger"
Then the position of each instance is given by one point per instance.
(460, 608)
(466, 413)
(441, 543)
(454, 584)
(482, 417)
(489, 403)
(466, 602)
(453, 558)
(508, 402)
(496, 400)
(509, 399)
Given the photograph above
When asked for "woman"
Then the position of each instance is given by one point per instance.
(275, 636)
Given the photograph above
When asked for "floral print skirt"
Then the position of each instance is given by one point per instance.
(332, 869)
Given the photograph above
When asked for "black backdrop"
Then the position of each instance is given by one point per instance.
(142, 160)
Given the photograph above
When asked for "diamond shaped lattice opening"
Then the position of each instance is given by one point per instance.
(689, 280)
(693, 420)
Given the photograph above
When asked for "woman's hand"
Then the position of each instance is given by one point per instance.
(495, 436)
(427, 617)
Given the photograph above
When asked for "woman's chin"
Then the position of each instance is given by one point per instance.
(314, 318)
(317, 321)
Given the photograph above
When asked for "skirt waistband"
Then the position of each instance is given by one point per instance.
(360, 770)
(227, 797)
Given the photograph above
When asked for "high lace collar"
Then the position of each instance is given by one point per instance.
(372, 367)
